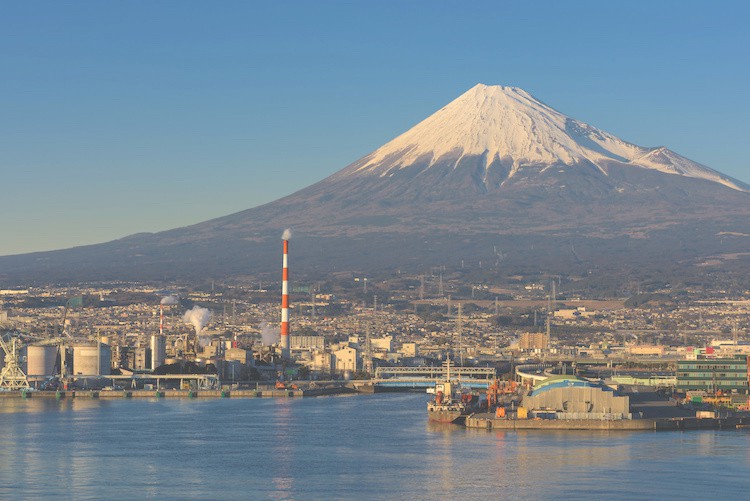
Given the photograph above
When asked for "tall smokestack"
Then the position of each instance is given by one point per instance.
(285, 297)
(161, 319)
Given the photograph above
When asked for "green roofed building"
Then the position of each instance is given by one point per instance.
(728, 375)
(75, 302)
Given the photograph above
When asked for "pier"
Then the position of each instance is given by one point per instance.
(488, 422)
(260, 392)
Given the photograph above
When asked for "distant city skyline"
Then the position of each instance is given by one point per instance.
(123, 118)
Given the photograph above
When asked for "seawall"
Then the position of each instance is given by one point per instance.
(659, 424)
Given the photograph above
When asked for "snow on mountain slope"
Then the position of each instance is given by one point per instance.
(507, 124)
(665, 160)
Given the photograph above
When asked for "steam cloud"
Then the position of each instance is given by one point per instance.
(169, 300)
(198, 317)
(269, 334)
(287, 234)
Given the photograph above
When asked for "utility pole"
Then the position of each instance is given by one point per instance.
(550, 306)
(367, 362)
(460, 337)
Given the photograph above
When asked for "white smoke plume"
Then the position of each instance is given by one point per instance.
(269, 334)
(204, 341)
(287, 234)
(198, 317)
(169, 300)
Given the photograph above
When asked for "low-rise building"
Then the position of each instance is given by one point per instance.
(410, 350)
(345, 359)
(729, 375)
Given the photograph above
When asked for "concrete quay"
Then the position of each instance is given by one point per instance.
(244, 393)
(654, 424)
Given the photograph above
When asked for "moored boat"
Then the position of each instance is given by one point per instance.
(450, 404)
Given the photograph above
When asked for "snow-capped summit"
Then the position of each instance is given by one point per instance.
(508, 127)
(496, 178)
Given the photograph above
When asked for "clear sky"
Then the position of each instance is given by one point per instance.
(123, 117)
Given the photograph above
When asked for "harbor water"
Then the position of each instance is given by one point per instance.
(377, 446)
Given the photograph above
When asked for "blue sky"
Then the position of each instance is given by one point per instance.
(122, 117)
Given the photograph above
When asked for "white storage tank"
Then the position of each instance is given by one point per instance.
(40, 360)
(92, 360)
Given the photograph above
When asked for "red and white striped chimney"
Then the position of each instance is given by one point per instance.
(285, 301)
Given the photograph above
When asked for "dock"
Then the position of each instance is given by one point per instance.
(172, 393)
(488, 422)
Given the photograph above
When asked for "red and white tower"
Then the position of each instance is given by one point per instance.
(285, 301)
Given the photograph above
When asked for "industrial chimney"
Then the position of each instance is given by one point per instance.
(285, 300)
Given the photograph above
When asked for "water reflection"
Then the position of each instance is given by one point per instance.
(364, 447)
(282, 450)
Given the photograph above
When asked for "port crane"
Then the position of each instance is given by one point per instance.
(12, 376)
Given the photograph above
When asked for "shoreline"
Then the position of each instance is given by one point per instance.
(171, 393)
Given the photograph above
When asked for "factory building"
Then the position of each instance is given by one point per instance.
(729, 375)
(308, 342)
(410, 350)
(240, 355)
(382, 344)
(345, 359)
(141, 358)
(321, 361)
(570, 397)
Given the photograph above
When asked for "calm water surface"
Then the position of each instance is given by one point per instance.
(355, 447)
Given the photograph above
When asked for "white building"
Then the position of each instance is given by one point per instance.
(410, 350)
(382, 344)
(345, 359)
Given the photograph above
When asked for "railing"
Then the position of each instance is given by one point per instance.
(434, 373)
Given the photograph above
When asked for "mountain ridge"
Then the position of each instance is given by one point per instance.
(458, 178)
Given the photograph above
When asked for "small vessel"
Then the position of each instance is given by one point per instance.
(450, 404)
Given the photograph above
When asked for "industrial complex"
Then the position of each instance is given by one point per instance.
(526, 355)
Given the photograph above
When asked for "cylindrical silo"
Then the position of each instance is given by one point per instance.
(40, 360)
(158, 351)
(92, 360)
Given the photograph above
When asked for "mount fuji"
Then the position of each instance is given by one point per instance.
(495, 176)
